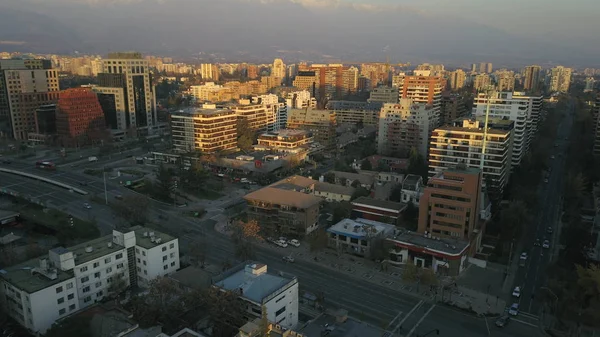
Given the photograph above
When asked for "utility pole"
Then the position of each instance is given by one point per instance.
(105, 192)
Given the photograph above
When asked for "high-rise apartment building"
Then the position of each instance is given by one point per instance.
(384, 94)
(355, 112)
(126, 77)
(481, 82)
(25, 85)
(327, 81)
(376, 73)
(523, 109)
(79, 117)
(505, 80)
(560, 79)
(457, 79)
(278, 69)
(453, 106)
(260, 117)
(589, 84)
(423, 89)
(271, 103)
(462, 143)
(206, 130)
(532, 78)
(405, 125)
(321, 123)
(307, 80)
(449, 206)
(485, 67)
(209, 71)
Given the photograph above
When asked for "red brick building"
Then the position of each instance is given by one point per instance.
(79, 117)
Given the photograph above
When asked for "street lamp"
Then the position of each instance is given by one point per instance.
(437, 332)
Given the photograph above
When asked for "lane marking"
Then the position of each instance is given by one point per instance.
(417, 306)
(419, 322)
(392, 321)
(523, 322)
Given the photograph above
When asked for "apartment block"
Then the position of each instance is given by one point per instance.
(449, 206)
(211, 92)
(130, 72)
(331, 81)
(53, 286)
(209, 71)
(356, 236)
(353, 112)
(260, 117)
(406, 125)
(384, 94)
(25, 85)
(481, 82)
(461, 144)
(505, 80)
(321, 123)
(79, 117)
(206, 130)
(519, 107)
(307, 80)
(113, 103)
(452, 107)
(532, 79)
(285, 140)
(285, 208)
(458, 79)
(560, 79)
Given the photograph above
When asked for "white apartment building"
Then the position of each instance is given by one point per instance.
(524, 110)
(300, 100)
(458, 78)
(560, 79)
(280, 108)
(53, 286)
(405, 125)
(278, 69)
(384, 94)
(205, 92)
(278, 293)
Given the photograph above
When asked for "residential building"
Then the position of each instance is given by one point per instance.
(355, 112)
(450, 204)
(406, 125)
(321, 123)
(384, 94)
(333, 192)
(300, 100)
(130, 72)
(113, 103)
(260, 117)
(452, 107)
(307, 80)
(254, 329)
(375, 74)
(377, 210)
(481, 82)
(589, 84)
(423, 89)
(505, 80)
(458, 79)
(25, 85)
(532, 78)
(523, 109)
(366, 180)
(461, 144)
(560, 79)
(53, 286)
(327, 81)
(79, 118)
(209, 71)
(278, 69)
(485, 67)
(285, 208)
(357, 236)
(286, 140)
(207, 130)
(412, 189)
(277, 293)
(272, 103)
(211, 92)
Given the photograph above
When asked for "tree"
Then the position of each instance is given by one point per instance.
(416, 164)
(355, 184)
(396, 194)
(410, 273)
(366, 165)
(246, 136)
(73, 326)
(428, 277)
(360, 192)
(378, 251)
(513, 218)
(226, 312)
(341, 210)
(382, 166)
(318, 240)
(410, 216)
(134, 209)
(162, 305)
(329, 177)
(197, 252)
(244, 235)
(164, 184)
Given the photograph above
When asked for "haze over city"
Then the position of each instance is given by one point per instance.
(508, 33)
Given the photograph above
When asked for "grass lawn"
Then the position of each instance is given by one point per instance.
(59, 222)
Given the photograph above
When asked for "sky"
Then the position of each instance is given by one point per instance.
(524, 30)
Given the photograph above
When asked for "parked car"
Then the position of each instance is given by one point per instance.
(549, 230)
(523, 256)
(517, 292)
(289, 259)
(294, 243)
(502, 321)
(537, 242)
(119, 197)
(86, 205)
(546, 244)
(281, 243)
(514, 309)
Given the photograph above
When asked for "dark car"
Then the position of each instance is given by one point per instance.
(502, 321)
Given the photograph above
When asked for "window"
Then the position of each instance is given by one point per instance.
(280, 311)
(86, 289)
(144, 263)
(119, 256)
(119, 266)
(139, 261)
(59, 290)
(83, 269)
(279, 299)
(172, 245)
(70, 285)
(143, 253)
(165, 258)
(85, 279)
(70, 296)
(87, 299)
(100, 293)
(62, 311)
(96, 264)
(145, 272)
(172, 255)
(107, 260)
(173, 264)
(164, 249)
(72, 307)
(97, 275)
(165, 267)
(60, 300)
(137, 250)
(98, 284)
(109, 270)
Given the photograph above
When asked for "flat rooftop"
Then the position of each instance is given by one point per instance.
(333, 188)
(443, 245)
(22, 277)
(145, 241)
(254, 287)
(280, 196)
(192, 277)
(360, 228)
(390, 205)
(294, 180)
(99, 248)
(190, 112)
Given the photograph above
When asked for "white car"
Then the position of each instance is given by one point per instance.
(514, 309)
(288, 259)
(546, 244)
(523, 256)
(294, 242)
(86, 205)
(281, 243)
(517, 292)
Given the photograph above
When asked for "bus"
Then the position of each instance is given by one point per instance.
(46, 165)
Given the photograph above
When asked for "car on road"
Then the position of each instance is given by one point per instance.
(549, 230)
(514, 309)
(294, 242)
(546, 180)
(289, 259)
(517, 292)
(546, 244)
(281, 243)
(119, 197)
(86, 205)
(502, 321)
(523, 256)
(552, 157)
(537, 242)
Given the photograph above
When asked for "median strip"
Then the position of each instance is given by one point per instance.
(44, 179)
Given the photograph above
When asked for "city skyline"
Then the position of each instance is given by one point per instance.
(103, 26)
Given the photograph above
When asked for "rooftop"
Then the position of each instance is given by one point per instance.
(333, 188)
(279, 196)
(411, 181)
(100, 247)
(192, 277)
(361, 228)
(462, 169)
(295, 180)
(471, 130)
(23, 277)
(191, 112)
(365, 179)
(390, 205)
(146, 241)
(284, 133)
(254, 282)
(440, 245)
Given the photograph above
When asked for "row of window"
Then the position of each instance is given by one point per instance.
(106, 261)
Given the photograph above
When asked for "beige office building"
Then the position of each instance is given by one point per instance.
(206, 130)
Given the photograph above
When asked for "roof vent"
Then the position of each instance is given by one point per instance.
(158, 240)
(152, 239)
(145, 234)
(89, 249)
(151, 233)
(109, 245)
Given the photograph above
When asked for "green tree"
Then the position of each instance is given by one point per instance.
(134, 209)
(417, 164)
(341, 210)
(73, 326)
(329, 177)
(164, 186)
(318, 240)
(428, 277)
(366, 165)
(360, 192)
(410, 216)
(410, 273)
(246, 136)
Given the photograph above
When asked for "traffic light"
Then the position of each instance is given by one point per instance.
(70, 220)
